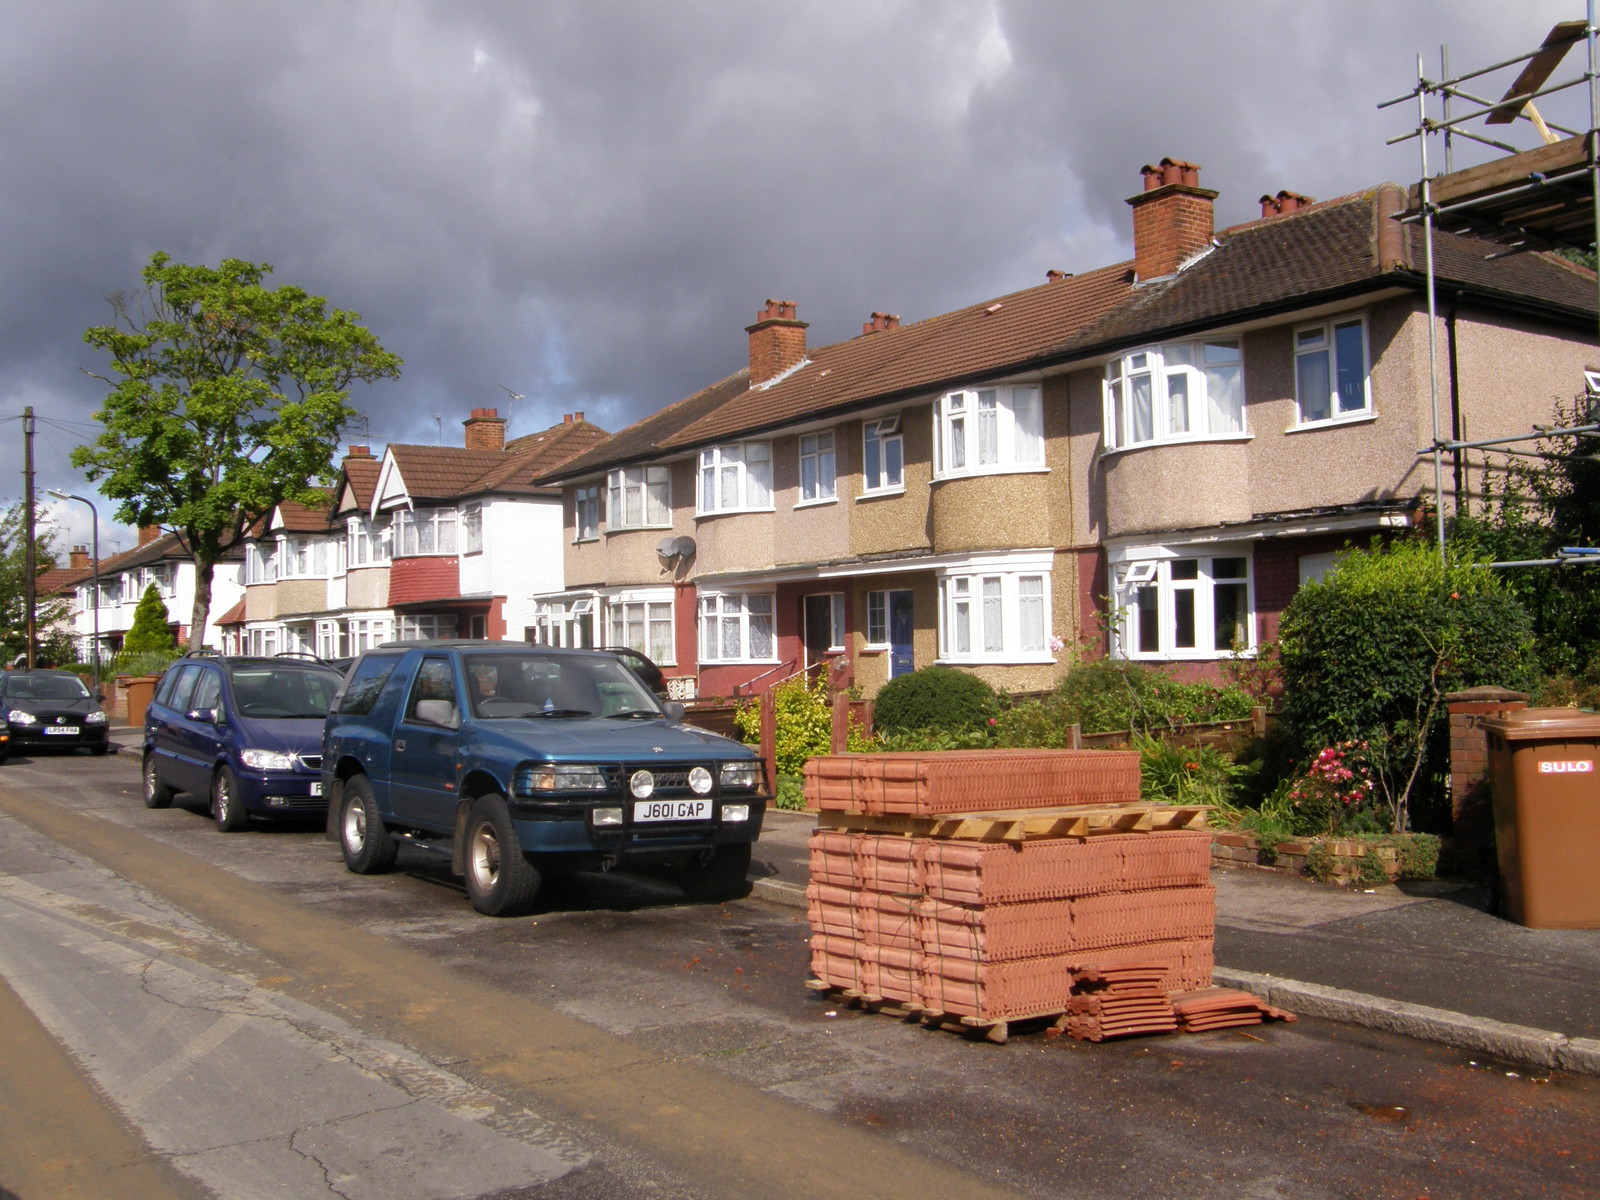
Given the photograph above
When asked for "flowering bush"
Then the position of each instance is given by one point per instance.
(1337, 792)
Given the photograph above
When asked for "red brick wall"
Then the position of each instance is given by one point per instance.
(1169, 230)
(419, 580)
(1469, 745)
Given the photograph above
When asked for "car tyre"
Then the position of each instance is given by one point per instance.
(227, 806)
(156, 793)
(365, 843)
(725, 877)
(501, 882)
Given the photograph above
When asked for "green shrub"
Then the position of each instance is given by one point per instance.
(150, 631)
(936, 698)
(1417, 854)
(921, 740)
(1369, 870)
(804, 723)
(1104, 696)
(1369, 653)
(1319, 862)
(1185, 774)
(790, 794)
(1033, 723)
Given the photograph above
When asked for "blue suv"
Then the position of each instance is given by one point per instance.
(520, 761)
(245, 732)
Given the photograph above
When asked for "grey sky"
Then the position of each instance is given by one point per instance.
(586, 202)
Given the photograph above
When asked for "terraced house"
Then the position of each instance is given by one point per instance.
(1144, 460)
(428, 541)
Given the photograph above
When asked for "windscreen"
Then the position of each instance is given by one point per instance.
(47, 687)
(277, 693)
(512, 686)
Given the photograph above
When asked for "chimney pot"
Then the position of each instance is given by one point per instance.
(578, 416)
(78, 558)
(566, 418)
(1055, 276)
(881, 322)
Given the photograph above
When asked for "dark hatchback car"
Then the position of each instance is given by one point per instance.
(246, 732)
(50, 710)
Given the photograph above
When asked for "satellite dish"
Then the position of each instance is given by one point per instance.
(683, 547)
(667, 547)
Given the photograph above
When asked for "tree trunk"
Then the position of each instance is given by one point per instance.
(202, 603)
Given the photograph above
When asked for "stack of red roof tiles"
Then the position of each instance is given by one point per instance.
(990, 931)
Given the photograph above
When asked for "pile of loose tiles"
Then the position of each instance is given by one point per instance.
(1222, 1008)
(989, 931)
(1113, 1002)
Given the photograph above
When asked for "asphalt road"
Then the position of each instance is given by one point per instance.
(237, 1015)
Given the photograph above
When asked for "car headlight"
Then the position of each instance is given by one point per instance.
(741, 774)
(95, 718)
(735, 812)
(699, 780)
(553, 777)
(267, 760)
(608, 816)
(20, 716)
(641, 783)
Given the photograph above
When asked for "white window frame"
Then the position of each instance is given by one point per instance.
(885, 432)
(1145, 590)
(365, 632)
(426, 626)
(367, 543)
(817, 458)
(568, 623)
(261, 562)
(411, 528)
(471, 528)
(643, 621)
(737, 613)
(586, 513)
(1190, 391)
(989, 431)
(1321, 340)
(996, 610)
(737, 476)
(647, 490)
(302, 557)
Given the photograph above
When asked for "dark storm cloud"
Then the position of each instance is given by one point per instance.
(587, 202)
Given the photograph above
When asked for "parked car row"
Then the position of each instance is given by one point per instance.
(517, 762)
(50, 710)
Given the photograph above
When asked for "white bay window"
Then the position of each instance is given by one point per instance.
(737, 627)
(990, 430)
(736, 477)
(638, 498)
(997, 611)
(1184, 391)
(1179, 603)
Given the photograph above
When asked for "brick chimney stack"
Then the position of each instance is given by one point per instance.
(358, 452)
(78, 558)
(1172, 218)
(777, 341)
(148, 534)
(486, 430)
(880, 323)
(1284, 203)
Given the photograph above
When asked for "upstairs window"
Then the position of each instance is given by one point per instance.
(989, 430)
(472, 529)
(883, 456)
(261, 562)
(640, 498)
(302, 558)
(1330, 371)
(585, 514)
(816, 467)
(366, 545)
(1175, 393)
(424, 531)
(735, 477)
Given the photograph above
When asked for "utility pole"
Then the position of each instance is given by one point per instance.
(29, 568)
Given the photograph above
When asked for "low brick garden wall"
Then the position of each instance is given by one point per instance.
(1340, 860)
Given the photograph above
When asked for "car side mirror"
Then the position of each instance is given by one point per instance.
(674, 710)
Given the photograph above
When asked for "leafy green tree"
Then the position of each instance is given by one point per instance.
(151, 629)
(1537, 507)
(1369, 653)
(49, 611)
(229, 399)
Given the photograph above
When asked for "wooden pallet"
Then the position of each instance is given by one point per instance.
(997, 1032)
(1026, 824)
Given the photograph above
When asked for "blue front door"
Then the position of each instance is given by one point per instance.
(901, 626)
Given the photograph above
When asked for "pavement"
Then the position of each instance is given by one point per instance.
(1425, 959)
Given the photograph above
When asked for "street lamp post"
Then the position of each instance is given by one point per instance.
(94, 584)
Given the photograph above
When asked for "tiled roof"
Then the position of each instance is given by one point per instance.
(361, 472)
(168, 547)
(1338, 247)
(448, 472)
(302, 518)
(61, 579)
